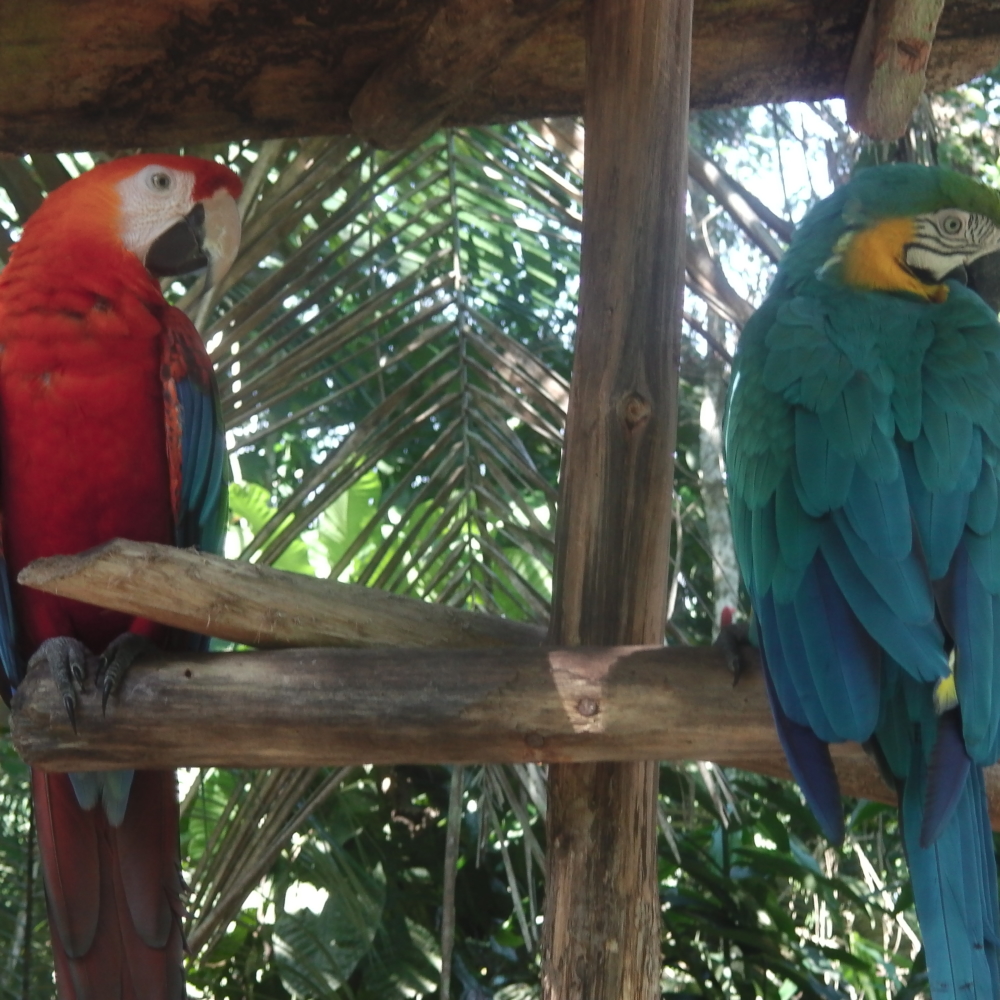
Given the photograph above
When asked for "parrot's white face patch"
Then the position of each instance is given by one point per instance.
(153, 200)
(949, 239)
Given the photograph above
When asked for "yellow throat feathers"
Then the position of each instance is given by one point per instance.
(873, 258)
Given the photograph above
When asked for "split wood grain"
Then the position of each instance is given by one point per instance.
(260, 606)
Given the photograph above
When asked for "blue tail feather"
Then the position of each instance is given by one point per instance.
(954, 888)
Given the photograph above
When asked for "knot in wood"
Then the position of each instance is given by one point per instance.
(535, 740)
(587, 707)
(634, 409)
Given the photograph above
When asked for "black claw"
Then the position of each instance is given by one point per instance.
(106, 692)
(70, 705)
(67, 661)
(116, 660)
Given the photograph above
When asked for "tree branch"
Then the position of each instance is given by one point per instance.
(740, 204)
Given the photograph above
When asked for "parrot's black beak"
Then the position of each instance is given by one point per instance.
(180, 250)
(983, 276)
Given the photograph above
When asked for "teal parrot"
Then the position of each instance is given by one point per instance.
(863, 455)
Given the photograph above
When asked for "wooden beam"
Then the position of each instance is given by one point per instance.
(310, 708)
(888, 68)
(602, 914)
(182, 73)
(260, 606)
(410, 94)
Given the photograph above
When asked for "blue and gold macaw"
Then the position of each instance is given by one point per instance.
(862, 441)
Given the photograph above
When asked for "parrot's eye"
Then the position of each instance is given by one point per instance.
(160, 181)
(952, 225)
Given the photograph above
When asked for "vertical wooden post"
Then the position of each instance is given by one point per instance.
(602, 924)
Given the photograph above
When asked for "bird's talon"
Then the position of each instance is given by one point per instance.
(67, 660)
(108, 689)
(115, 661)
(70, 705)
(732, 638)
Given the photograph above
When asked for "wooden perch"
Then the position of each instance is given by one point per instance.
(310, 707)
(259, 606)
(381, 707)
(888, 68)
(411, 94)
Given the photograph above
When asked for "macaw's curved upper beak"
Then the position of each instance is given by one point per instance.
(207, 238)
(983, 276)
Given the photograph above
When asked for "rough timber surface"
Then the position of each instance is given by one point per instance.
(86, 74)
(308, 707)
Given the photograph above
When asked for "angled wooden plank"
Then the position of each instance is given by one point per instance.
(888, 68)
(260, 606)
(411, 93)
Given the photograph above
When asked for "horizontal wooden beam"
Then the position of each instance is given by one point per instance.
(411, 93)
(309, 707)
(306, 707)
(175, 72)
(260, 606)
(888, 68)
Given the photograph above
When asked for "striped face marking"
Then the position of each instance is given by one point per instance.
(948, 240)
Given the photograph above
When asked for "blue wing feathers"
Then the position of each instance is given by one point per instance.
(824, 473)
(879, 515)
(13, 665)
(811, 766)
(201, 519)
(798, 533)
(918, 646)
(972, 629)
(946, 775)
(982, 515)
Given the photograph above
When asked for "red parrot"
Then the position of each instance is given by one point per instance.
(109, 427)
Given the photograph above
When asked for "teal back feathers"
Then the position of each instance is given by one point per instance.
(862, 438)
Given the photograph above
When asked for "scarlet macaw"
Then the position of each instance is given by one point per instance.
(863, 437)
(109, 427)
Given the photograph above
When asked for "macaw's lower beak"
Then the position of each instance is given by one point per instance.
(180, 250)
(983, 276)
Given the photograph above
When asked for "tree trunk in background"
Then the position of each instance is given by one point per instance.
(725, 571)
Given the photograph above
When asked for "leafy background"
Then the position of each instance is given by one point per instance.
(394, 345)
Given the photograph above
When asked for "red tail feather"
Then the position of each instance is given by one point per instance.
(113, 893)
